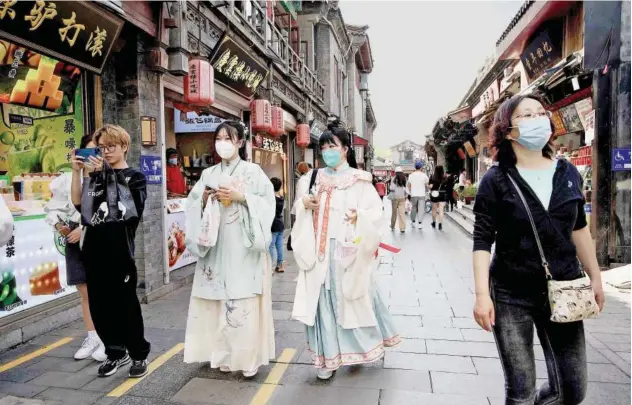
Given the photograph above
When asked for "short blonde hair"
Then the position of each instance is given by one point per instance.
(112, 135)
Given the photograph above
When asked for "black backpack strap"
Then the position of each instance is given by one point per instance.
(312, 181)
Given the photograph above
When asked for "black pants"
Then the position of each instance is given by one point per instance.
(115, 310)
(564, 351)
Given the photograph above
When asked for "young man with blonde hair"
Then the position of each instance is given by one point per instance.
(108, 253)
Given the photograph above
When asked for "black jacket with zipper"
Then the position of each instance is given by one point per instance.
(516, 272)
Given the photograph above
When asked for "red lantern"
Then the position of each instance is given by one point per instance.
(461, 154)
(260, 116)
(278, 128)
(199, 86)
(302, 135)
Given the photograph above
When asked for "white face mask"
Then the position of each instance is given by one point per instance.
(225, 149)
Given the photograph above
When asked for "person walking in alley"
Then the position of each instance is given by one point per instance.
(64, 217)
(229, 215)
(112, 282)
(531, 205)
(397, 196)
(276, 247)
(438, 196)
(417, 183)
(462, 180)
(339, 224)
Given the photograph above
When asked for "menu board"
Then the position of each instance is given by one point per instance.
(32, 267)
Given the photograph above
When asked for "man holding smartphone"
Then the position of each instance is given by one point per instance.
(108, 252)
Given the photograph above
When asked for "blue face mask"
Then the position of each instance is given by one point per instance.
(534, 133)
(331, 157)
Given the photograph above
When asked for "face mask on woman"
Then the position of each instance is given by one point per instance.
(225, 149)
(534, 133)
(173, 161)
(332, 157)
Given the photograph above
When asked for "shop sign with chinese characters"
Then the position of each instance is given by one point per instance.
(268, 144)
(539, 55)
(237, 70)
(192, 122)
(73, 31)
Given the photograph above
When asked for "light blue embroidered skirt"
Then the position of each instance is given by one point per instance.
(332, 346)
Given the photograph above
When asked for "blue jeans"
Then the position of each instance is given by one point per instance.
(276, 248)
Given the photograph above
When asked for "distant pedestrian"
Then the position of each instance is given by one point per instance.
(462, 179)
(276, 247)
(438, 196)
(398, 200)
(451, 193)
(530, 197)
(417, 183)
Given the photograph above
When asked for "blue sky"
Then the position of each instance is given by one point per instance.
(427, 54)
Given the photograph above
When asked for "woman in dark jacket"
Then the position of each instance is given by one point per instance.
(511, 294)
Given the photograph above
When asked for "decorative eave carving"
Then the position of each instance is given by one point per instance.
(211, 33)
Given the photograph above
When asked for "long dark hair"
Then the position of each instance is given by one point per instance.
(400, 179)
(236, 132)
(439, 174)
(335, 130)
(85, 140)
(500, 146)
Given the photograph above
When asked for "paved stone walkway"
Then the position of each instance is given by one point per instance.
(445, 358)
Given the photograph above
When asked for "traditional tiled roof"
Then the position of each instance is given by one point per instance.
(527, 4)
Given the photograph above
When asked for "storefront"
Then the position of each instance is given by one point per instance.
(47, 60)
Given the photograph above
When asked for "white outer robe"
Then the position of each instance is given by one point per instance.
(351, 189)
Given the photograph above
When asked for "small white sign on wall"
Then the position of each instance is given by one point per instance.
(192, 122)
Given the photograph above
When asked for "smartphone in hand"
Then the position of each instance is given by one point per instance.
(85, 153)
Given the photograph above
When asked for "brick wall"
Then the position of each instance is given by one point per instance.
(129, 92)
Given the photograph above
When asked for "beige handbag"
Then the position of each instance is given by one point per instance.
(572, 300)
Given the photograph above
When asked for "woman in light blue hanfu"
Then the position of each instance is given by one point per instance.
(339, 224)
(229, 215)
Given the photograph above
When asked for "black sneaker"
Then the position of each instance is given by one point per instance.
(433, 224)
(138, 369)
(440, 226)
(110, 367)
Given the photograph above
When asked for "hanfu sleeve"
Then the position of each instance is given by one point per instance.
(193, 215)
(303, 236)
(370, 227)
(258, 212)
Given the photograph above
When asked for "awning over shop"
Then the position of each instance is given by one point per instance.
(359, 141)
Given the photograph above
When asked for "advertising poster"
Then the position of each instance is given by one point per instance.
(179, 255)
(40, 110)
(32, 267)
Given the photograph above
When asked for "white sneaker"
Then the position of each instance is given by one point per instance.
(420, 226)
(250, 374)
(89, 346)
(99, 354)
(324, 374)
(224, 369)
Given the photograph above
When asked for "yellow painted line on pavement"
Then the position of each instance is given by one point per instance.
(32, 355)
(153, 366)
(272, 382)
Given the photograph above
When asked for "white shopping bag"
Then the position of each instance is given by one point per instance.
(209, 228)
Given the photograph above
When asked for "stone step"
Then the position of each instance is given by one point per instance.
(458, 218)
(467, 213)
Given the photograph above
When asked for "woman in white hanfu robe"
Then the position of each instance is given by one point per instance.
(339, 224)
(230, 313)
